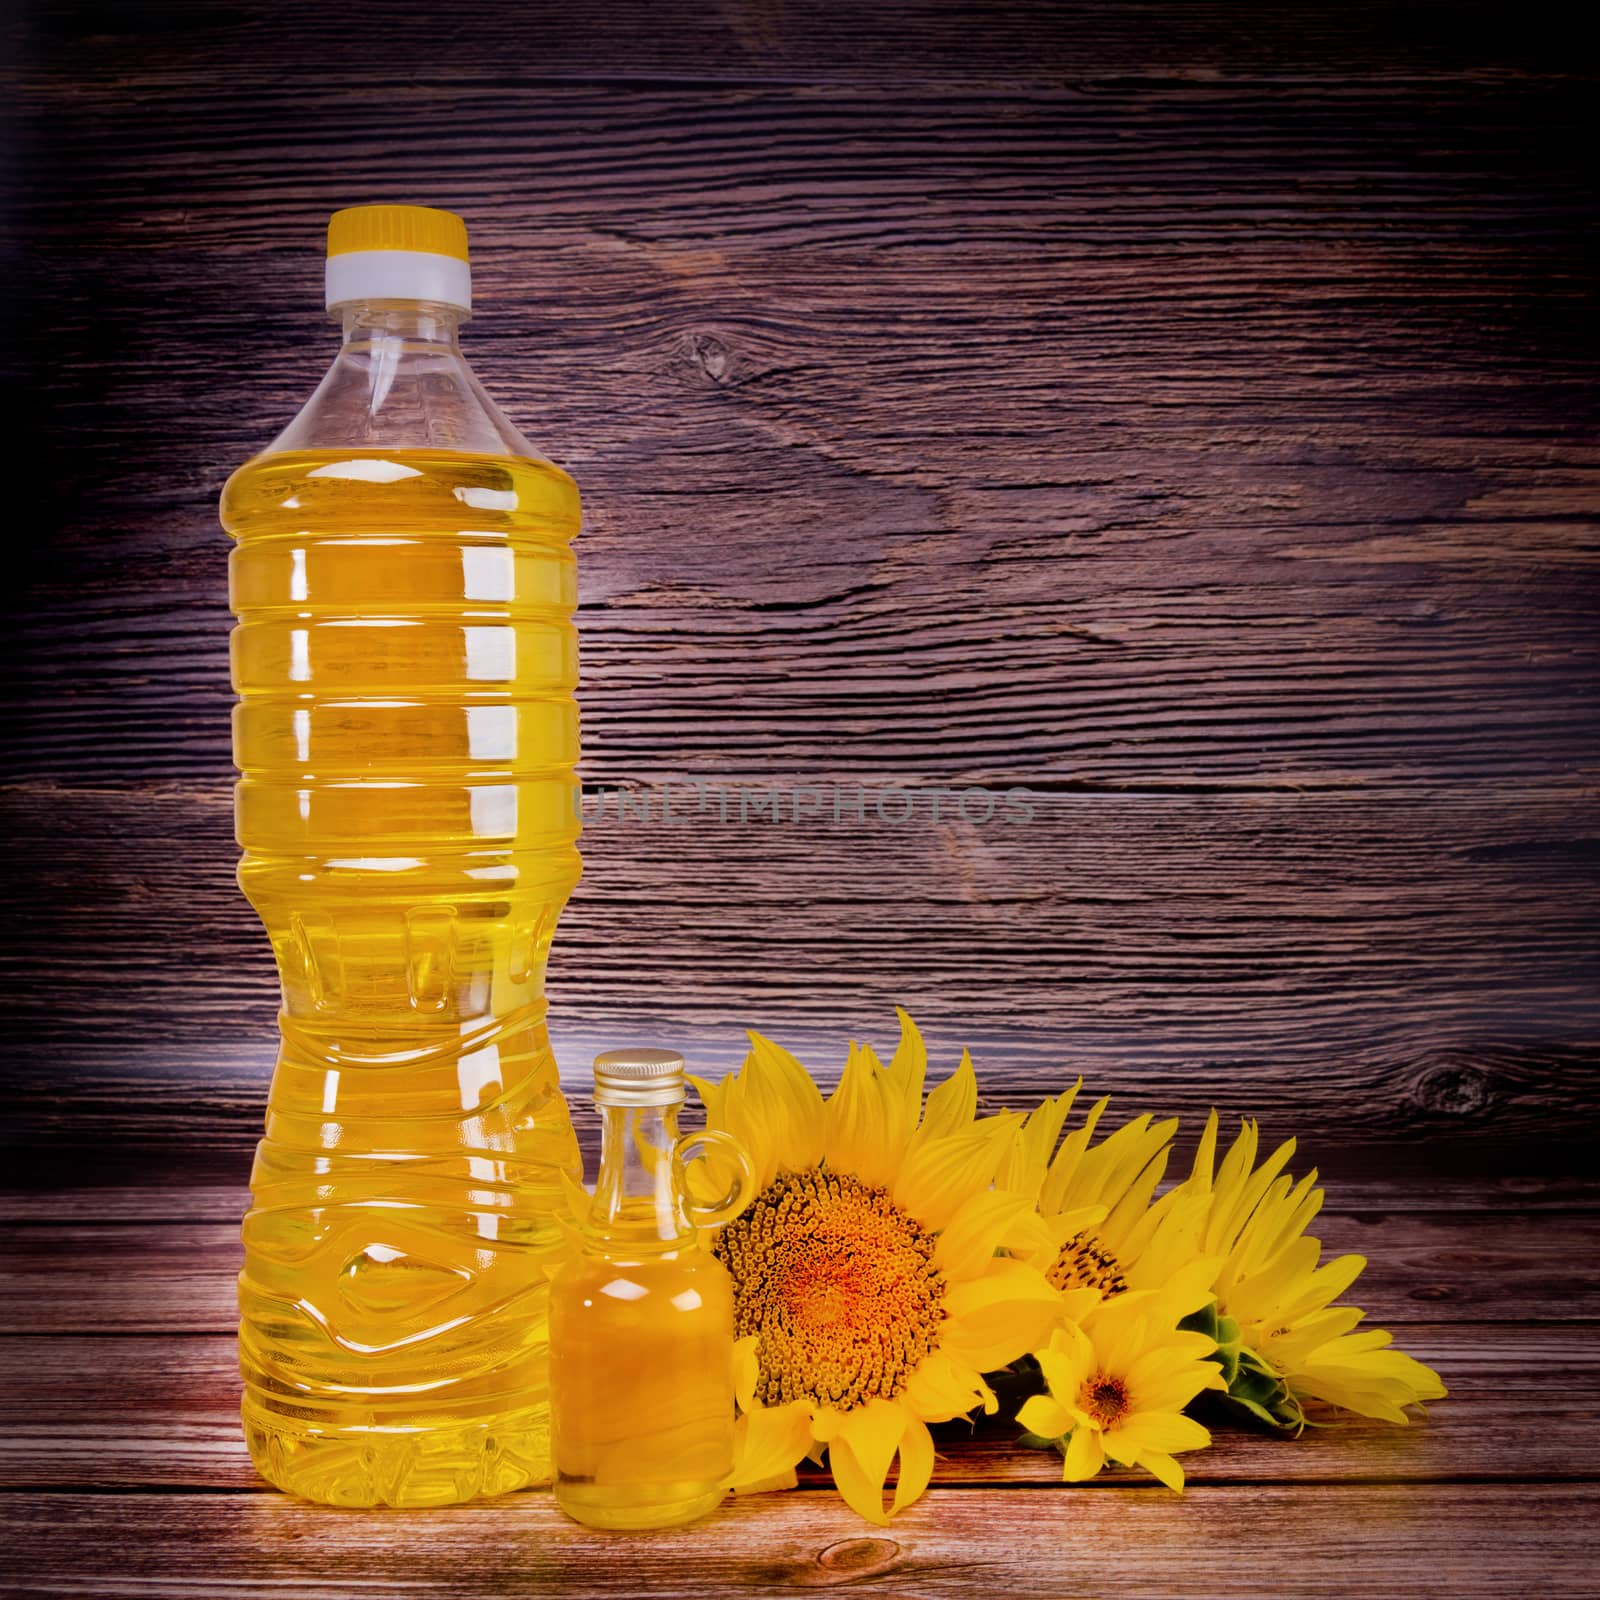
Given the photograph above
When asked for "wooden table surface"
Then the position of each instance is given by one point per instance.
(127, 1476)
(1185, 414)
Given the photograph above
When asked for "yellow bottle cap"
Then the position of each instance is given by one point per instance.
(398, 253)
(437, 233)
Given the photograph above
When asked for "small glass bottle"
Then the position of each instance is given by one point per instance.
(641, 1323)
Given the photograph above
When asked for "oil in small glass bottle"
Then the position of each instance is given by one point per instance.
(641, 1322)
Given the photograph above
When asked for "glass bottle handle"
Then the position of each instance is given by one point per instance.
(744, 1179)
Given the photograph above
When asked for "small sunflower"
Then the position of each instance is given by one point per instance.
(869, 1292)
(1118, 1379)
(1281, 1338)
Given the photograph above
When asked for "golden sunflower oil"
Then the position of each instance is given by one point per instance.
(641, 1324)
(642, 1362)
(406, 734)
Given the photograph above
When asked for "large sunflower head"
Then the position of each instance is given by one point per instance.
(1283, 1339)
(870, 1295)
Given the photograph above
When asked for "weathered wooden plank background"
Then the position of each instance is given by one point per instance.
(1183, 413)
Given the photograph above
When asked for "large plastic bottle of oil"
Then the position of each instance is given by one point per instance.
(406, 734)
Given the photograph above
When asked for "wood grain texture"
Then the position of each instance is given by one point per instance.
(1186, 413)
(1373, 1181)
(146, 1121)
(155, 1412)
(1109, 551)
(1427, 970)
(179, 1278)
(1455, 1541)
(913, 43)
(115, 1412)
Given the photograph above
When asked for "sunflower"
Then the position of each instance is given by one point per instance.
(870, 1295)
(1118, 1378)
(1109, 1232)
(1282, 1339)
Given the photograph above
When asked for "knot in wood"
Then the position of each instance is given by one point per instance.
(858, 1556)
(713, 355)
(1455, 1091)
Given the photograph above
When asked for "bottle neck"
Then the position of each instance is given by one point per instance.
(401, 325)
(400, 382)
(637, 1200)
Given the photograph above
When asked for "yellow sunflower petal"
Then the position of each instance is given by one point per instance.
(908, 1067)
(1044, 1416)
(1164, 1366)
(874, 1432)
(1165, 1431)
(981, 1226)
(713, 1096)
(1067, 1225)
(898, 1112)
(768, 1443)
(1164, 1467)
(1085, 1455)
(851, 1479)
(854, 1124)
(1329, 1282)
(1292, 1346)
(1258, 1301)
(759, 1100)
(1076, 1304)
(734, 1107)
(1238, 1162)
(1200, 1178)
(1173, 1394)
(1240, 1186)
(1126, 1166)
(861, 1453)
(1117, 1327)
(1064, 1163)
(942, 1388)
(916, 1465)
(1373, 1382)
(1066, 1361)
(952, 1105)
(778, 1481)
(746, 1370)
(1292, 1216)
(800, 1098)
(1261, 1182)
(827, 1423)
(1029, 1157)
(1190, 1287)
(1166, 1240)
(939, 1174)
(992, 1320)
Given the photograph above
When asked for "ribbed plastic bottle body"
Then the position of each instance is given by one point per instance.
(406, 733)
